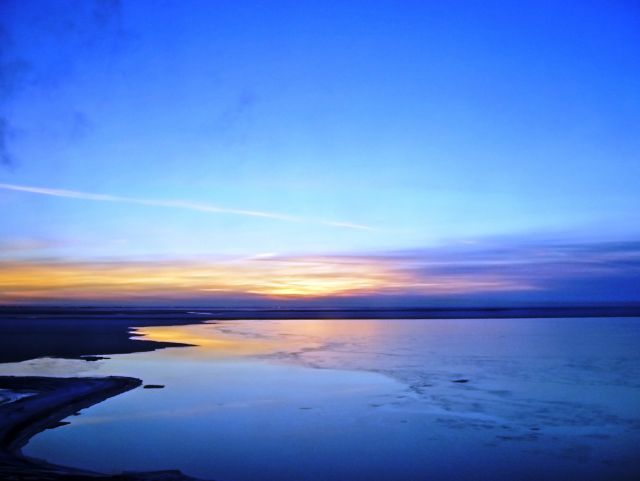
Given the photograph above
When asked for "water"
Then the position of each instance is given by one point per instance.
(503, 399)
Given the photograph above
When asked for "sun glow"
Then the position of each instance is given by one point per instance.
(271, 277)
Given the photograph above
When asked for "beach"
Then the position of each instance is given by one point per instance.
(346, 398)
(44, 403)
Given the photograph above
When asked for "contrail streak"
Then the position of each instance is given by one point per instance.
(175, 204)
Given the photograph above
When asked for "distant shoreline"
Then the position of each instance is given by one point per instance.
(33, 332)
(184, 315)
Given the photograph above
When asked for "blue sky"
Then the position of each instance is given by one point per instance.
(430, 124)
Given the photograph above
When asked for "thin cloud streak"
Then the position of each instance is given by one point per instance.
(176, 204)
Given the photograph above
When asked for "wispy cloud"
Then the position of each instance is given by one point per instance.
(177, 204)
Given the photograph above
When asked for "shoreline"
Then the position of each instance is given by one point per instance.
(34, 332)
(147, 316)
(53, 400)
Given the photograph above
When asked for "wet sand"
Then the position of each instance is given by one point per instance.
(49, 401)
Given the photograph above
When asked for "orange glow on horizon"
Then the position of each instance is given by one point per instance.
(284, 278)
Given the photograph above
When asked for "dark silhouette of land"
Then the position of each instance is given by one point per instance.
(86, 332)
(49, 401)
(23, 338)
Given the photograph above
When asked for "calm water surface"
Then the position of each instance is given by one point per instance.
(367, 400)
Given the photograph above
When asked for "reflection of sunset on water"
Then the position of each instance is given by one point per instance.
(254, 338)
(208, 340)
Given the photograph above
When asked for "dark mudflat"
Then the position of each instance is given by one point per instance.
(28, 332)
(87, 338)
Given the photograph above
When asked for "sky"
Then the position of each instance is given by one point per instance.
(234, 152)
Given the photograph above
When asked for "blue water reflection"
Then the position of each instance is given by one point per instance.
(375, 400)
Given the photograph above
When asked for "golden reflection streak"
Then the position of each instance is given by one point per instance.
(277, 278)
(247, 338)
(209, 342)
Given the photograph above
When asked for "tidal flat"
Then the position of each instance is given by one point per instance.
(356, 399)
